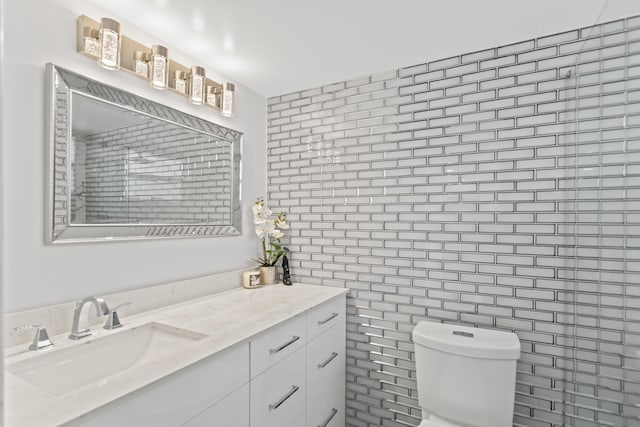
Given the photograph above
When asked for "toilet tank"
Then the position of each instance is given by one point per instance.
(466, 376)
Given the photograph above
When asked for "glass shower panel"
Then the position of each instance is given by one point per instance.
(604, 388)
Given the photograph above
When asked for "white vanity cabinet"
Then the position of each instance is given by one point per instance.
(325, 365)
(298, 370)
(177, 398)
(290, 375)
(229, 412)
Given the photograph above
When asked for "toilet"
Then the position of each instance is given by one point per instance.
(466, 376)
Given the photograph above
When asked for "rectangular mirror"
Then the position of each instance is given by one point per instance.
(124, 167)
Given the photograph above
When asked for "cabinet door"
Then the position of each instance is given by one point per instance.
(278, 394)
(232, 411)
(326, 378)
(176, 398)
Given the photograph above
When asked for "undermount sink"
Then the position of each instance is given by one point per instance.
(59, 372)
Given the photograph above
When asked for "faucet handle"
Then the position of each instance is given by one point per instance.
(113, 321)
(41, 340)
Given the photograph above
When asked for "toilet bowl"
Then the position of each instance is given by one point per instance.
(466, 376)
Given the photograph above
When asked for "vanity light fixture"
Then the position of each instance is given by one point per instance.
(180, 82)
(213, 96)
(196, 85)
(109, 43)
(159, 67)
(90, 42)
(141, 63)
(104, 42)
(228, 95)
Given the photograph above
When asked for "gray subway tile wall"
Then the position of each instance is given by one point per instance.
(498, 189)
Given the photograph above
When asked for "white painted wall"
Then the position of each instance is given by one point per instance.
(2, 223)
(35, 274)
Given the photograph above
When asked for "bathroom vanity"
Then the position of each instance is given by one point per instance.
(274, 356)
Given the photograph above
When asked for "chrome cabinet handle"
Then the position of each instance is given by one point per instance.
(334, 411)
(284, 398)
(333, 316)
(285, 345)
(326, 362)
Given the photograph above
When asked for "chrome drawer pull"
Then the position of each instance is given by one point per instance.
(326, 362)
(334, 411)
(333, 316)
(284, 398)
(285, 345)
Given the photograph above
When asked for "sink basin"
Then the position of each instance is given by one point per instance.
(59, 372)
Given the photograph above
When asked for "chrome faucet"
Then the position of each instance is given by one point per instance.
(101, 309)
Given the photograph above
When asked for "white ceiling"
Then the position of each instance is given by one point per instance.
(280, 46)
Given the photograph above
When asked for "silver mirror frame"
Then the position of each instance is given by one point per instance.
(61, 84)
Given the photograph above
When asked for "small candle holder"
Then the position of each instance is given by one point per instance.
(251, 279)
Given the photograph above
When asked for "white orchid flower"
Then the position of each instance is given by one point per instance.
(269, 231)
(269, 226)
(260, 231)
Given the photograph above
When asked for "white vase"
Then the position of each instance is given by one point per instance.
(268, 275)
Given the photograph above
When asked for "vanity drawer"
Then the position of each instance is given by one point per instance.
(326, 359)
(321, 318)
(277, 343)
(278, 395)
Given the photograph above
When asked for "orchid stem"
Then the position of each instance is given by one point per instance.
(264, 251)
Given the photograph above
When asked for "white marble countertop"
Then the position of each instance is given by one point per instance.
(227, 318)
